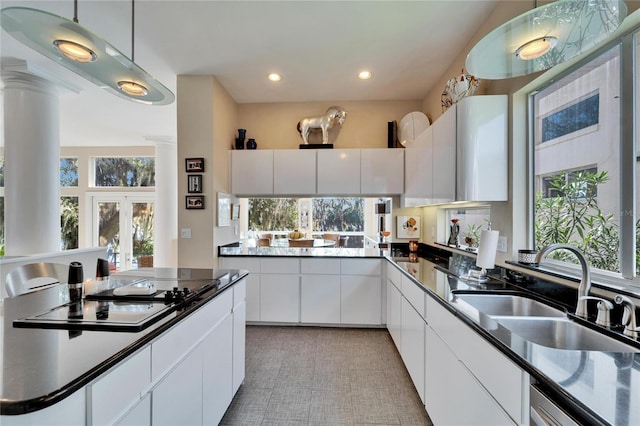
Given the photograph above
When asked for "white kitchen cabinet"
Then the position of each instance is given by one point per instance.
(360, 300)
(239, 334)
(381, 171)
(217, 372)
(320, 299)
(418, 159)
(252, 172)
(113, 394)
(453, 396)
(394, 314)
(338, 171)
(252, 282)
(294, 171)
(177, 400)
(503, 380)
(443, 164)
(412, 349)
(71, 411)
(279, 297)
(482, 149)
(140, 415)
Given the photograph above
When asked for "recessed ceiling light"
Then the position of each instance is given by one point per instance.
(535, 48)
(275, 77)
(364, 75)
(75, 51)
(132, 88)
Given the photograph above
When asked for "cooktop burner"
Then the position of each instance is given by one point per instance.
(129, 312)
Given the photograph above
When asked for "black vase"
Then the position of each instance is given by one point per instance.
(239, 143)
(251, 144)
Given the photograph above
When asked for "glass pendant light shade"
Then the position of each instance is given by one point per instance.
(544, 37)
(84, 53)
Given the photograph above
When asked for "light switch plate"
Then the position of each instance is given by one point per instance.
(185, 233)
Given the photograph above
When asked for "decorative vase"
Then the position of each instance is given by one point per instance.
(251, 144)
(453, 235)
(242, 133)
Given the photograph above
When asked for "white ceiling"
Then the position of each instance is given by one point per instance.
(317, 46)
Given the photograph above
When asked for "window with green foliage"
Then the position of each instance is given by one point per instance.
(273, 214)
(122, 171)
(338, 214)
(69, 222)
(68, 172)
(582, 181)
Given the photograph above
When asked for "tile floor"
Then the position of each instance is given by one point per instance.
(324, 376)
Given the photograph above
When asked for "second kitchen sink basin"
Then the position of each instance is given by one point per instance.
(561, 333)
(509, 305)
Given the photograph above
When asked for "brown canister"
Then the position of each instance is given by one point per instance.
(413, 245)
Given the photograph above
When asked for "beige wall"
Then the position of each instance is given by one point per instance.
(206, 118)
(273, 125)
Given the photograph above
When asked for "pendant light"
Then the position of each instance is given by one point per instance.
(544, 37)
(85, 53)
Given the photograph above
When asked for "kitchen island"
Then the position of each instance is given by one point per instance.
(70, 375)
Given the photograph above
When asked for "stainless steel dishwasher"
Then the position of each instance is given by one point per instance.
(544, 412)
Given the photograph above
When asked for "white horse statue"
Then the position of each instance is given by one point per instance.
(325, 122)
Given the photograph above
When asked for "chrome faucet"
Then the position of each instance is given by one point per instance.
(628, 316)
(585, 282)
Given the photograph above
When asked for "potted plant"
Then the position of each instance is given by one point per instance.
(472, 235)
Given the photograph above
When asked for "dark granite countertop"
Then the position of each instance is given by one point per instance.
(227, 251)
(43, 366)
(602, 387)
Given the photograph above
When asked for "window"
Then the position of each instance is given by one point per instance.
(577, 184)
(122, 171)
(68, 172)
(470, 222)
(577, 180)
(580, 115)
(281, 215)
(69, 223)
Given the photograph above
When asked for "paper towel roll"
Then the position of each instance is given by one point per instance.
(487, 250)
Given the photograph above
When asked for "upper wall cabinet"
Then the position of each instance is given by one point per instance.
(338, 171)
(252, 172)
(381, 171)
(294, 172)
(462, 156)
(482, 149)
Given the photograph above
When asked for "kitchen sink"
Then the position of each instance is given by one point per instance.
(508, 305)
(561, 333)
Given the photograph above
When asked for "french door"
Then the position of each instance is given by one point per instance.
(124, 224)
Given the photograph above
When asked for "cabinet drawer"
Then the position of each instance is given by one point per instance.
(320, 266)
(360, 266)
(251, 265)
(414, 295)
(119, 389)
(180, 339)
(280, 266)
(502, 378)
(393, 274)
(240, 292)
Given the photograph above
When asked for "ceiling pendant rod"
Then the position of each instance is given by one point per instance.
(133, 13)
(75, 11)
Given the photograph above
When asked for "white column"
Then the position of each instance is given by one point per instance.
(165, 245)
(32, 164)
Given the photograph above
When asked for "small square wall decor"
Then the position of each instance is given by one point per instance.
(408, 227)
(194, 165)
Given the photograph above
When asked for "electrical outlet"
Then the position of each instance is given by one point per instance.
(502, 244)
(185, 233)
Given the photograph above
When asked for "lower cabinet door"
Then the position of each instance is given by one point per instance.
(412, 351)
(453, 396)
(394, 314)
(239, 345)
(253, 297)
(320, 299)
(279, 297)
(140, 415)
(361, 300)
(217, 372)
(177, 400)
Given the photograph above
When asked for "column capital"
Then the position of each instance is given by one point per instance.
(19, 74)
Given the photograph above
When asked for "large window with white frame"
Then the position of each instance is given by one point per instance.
(581, 162)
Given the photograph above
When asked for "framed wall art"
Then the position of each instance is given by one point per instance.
(194, 184)
(408, 227)
(194, 165)
(235, 211)
(194, 202)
